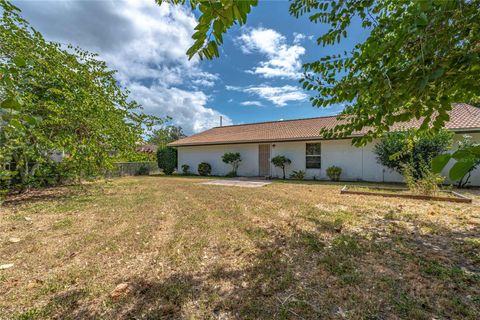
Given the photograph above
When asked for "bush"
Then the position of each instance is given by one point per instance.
(234, 160)
(281, 162)
(204, 169)
(144, 170)
(54, 173)
(297, 175)
(334, 173)
(185, 169)
(167, 160)
(429, 183)
(397, 149)
(44, 173)
(231, 174)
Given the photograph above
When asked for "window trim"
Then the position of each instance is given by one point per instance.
(319, 155)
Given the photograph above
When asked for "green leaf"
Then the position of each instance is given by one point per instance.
(425, 5)
(460, 169)
(470, 152)
(218, 28)
(474, 151)
(237, 14)
(11, 103)
(421, 19)
(16, 124)
(462, 154)
(19, 61)
(422, 84)
(439, 162)
(436, 74)
(30, 120)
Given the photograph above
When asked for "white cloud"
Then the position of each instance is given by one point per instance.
(206, 79)
(189, 108)
(251, 103)
(283, 60)
(145, 42)
(279, 96)
(298, 37)
(203, 82)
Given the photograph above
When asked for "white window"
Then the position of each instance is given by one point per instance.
(313, 156)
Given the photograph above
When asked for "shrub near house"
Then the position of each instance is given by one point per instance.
(185, 169)
(167, 160)
(411, 155)
(204, 169)
(281, 162)
(397, 149)
(234, 159)
(297, 175)
(334, 173)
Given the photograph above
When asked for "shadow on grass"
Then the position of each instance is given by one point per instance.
(324, 272)
(48, 194)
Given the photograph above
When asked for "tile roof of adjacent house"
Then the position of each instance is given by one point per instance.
(463, 117)
(147, 148)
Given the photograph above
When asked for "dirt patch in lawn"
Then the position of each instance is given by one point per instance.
(147, 248)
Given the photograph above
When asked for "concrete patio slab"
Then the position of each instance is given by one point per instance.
(238, 183)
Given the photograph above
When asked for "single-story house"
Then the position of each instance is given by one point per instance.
(300, 141)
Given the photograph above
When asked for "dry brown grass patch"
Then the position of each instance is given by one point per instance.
(285, 251)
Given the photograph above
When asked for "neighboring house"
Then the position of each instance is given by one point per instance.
(147, 148)
(300, 141)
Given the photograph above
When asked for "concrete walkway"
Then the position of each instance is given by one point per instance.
(238, 183)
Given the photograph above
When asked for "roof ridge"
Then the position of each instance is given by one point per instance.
(273, 121)
(309, 118)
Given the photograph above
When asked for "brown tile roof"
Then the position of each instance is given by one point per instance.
(147, 148)
(462, 117)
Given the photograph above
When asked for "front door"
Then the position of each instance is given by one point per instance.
(264, 160)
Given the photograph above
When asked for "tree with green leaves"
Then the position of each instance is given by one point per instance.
(57, 99)
(233, 159)
(166, 134)
(216, 17)
(419, 58)
(396, 150)
(281, 162)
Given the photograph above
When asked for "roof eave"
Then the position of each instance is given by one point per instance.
(173, 144)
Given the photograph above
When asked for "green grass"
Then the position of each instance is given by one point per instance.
(62, 224)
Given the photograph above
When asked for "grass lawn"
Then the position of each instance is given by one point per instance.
(283, 251)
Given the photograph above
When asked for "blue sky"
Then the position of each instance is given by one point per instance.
(255, 79)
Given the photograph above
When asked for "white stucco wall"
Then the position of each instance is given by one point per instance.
(358, 164)
(193, 156)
